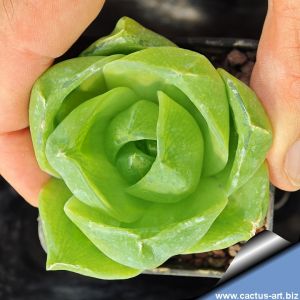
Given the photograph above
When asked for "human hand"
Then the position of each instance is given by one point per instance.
(276, 80)
(32, 34)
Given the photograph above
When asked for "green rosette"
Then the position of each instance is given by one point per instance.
(153, 153)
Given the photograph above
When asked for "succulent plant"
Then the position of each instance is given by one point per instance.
(153, 153)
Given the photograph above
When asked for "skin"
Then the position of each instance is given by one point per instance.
(33, 33)
(276, 80)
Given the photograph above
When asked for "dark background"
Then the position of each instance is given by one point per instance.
(22, 260)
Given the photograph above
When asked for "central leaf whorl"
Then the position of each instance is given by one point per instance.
(158, 148)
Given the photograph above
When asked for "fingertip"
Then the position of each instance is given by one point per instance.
(284, 174)
(31, 195)
(283, 184)
(292, 164)
(19, 167)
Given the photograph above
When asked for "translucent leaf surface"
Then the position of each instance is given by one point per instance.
(176, 171)
(165, 229)
(158, 154)
(67, 247)
(70, 82)
(155, 69)
(76, 149)
(245, 212)
(127, 37)
(253, 129)
(138, 122)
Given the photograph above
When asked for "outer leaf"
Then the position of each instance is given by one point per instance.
(76, 151)
(176, 171)
(169, 70)
(70, 82)
(165, 229)
(67, 247)
(254, 133)
(245, 212)
(128, 36)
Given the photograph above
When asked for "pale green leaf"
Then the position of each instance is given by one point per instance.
(67, 247)
(245, 212)
(127, 37)
(172, 70)
(163, 231)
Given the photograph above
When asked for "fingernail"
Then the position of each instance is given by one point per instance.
(292, 164)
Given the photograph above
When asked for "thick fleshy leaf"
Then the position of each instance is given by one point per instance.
(57, 92)
(138, 122)
(150, 141)
(176, 171)
(163, 231)
(170, 69)
(133, 163)
(76, 150)
(254, 133)
(127, 37)
(67, 247)
(245, 212)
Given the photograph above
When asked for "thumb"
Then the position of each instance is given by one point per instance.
(276, 80)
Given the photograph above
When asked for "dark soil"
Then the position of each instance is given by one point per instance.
(218, 260)
(237, 62)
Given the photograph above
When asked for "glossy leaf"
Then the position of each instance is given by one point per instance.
(245, 212)
(67, 247)
(176, 171)
(158, 154)
(156, 69)
(150, 241)
(57, 92)
(253, 130)
(127, 37)
(76, 151)
(138, 122)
